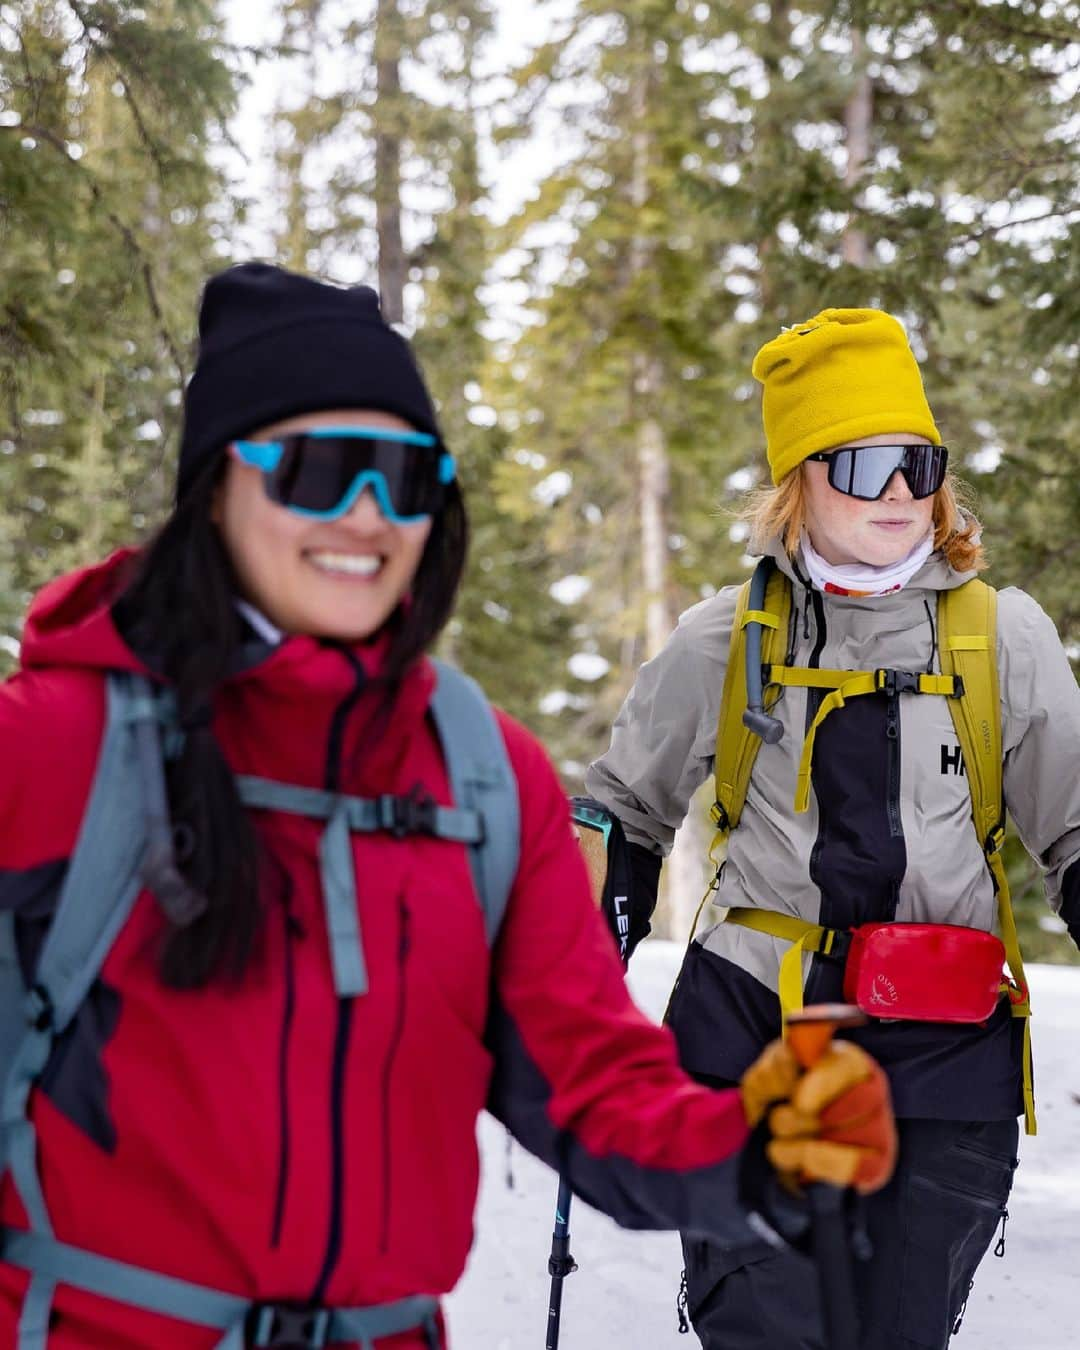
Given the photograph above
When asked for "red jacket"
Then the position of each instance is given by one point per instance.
(267, 1139)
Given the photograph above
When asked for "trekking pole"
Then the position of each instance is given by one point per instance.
(809, 1033)
(595, 827)
(560, 1263)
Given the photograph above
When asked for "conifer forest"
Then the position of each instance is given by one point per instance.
(588, 216)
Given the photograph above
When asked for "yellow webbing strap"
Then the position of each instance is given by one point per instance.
(967, 628)
(856, 683)
(845, 684)
(736, 745)
(803, 935)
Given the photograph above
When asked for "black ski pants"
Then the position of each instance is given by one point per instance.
(930, 1227)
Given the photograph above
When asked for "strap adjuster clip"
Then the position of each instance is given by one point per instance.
(893, 682)
(836, 945)
(414, 814)
(287, 1326)
(994, 840)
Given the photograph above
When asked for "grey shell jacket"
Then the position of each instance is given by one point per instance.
(888, 834)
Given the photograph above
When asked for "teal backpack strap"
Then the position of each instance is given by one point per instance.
(481, 779)
(344, 817)
(103, 878)
(484, 817)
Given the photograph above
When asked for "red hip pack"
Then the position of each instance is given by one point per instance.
(924, 972)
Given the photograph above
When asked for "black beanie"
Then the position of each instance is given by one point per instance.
(273, 344)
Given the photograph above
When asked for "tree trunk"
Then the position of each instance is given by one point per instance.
(294, 241)
(683, 871)
(858, 121)
(392, 268)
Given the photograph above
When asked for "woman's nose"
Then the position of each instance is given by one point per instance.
(896, 489)
(365, 513)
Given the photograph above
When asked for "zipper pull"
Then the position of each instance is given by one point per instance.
(999, 1246)
(509, 1161)
(892, 729)
(403, 929)
(681, 1307)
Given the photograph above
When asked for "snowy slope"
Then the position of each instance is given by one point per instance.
(624, 1294)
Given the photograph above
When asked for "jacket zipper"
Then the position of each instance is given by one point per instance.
(819, 624)
(404, 941)
(812, 704)
(892, 733)
(814, 598)
(293, 930)
(335, 1234)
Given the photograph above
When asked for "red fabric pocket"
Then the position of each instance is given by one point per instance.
(924, 972)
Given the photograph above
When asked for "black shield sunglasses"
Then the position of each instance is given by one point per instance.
(864, 471)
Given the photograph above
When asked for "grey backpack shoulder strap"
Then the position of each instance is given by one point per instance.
(481, 778)
(12, 993)
(100, 885)
(105, 872)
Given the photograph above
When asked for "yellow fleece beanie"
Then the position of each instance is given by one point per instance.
(842, 375)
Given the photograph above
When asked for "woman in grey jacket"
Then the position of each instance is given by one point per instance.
(863, 520)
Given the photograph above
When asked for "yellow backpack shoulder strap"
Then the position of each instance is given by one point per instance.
(967, 633)
(967, 627)
(736, 745)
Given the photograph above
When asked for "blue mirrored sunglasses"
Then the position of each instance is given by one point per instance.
(322, 472)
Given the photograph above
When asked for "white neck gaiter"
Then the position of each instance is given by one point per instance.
(861, 578)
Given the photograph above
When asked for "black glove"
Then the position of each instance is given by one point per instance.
(628, 897)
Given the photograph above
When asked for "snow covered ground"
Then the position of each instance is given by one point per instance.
(624, 1294)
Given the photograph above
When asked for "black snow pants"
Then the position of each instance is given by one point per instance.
(930, 1227)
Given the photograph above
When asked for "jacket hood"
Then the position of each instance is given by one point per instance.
(70, 620)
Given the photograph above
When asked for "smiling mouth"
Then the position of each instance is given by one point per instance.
(347, 564)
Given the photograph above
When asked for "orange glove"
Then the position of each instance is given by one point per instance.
(835, 1122)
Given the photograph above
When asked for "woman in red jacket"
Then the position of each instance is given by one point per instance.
(263, 1112)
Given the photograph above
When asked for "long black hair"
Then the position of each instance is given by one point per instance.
(179, 615)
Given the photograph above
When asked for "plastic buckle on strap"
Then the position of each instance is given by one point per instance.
(407, 815)
(720, 817)
(893, 682)
(994, 840)
(835, 945)
(284, 1326)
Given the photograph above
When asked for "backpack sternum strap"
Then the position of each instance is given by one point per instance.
(399, 816)
(485, 819)
(847, 684)
(344, 816)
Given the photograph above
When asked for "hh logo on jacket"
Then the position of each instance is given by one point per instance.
(952, 760)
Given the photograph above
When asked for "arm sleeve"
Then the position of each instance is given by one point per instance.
(664, 738)
(1041, 705)
(582, 1078)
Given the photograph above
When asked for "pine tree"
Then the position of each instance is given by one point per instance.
(106, 229)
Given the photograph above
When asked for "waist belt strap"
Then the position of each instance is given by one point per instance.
(234, 1315)
(803, 936)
